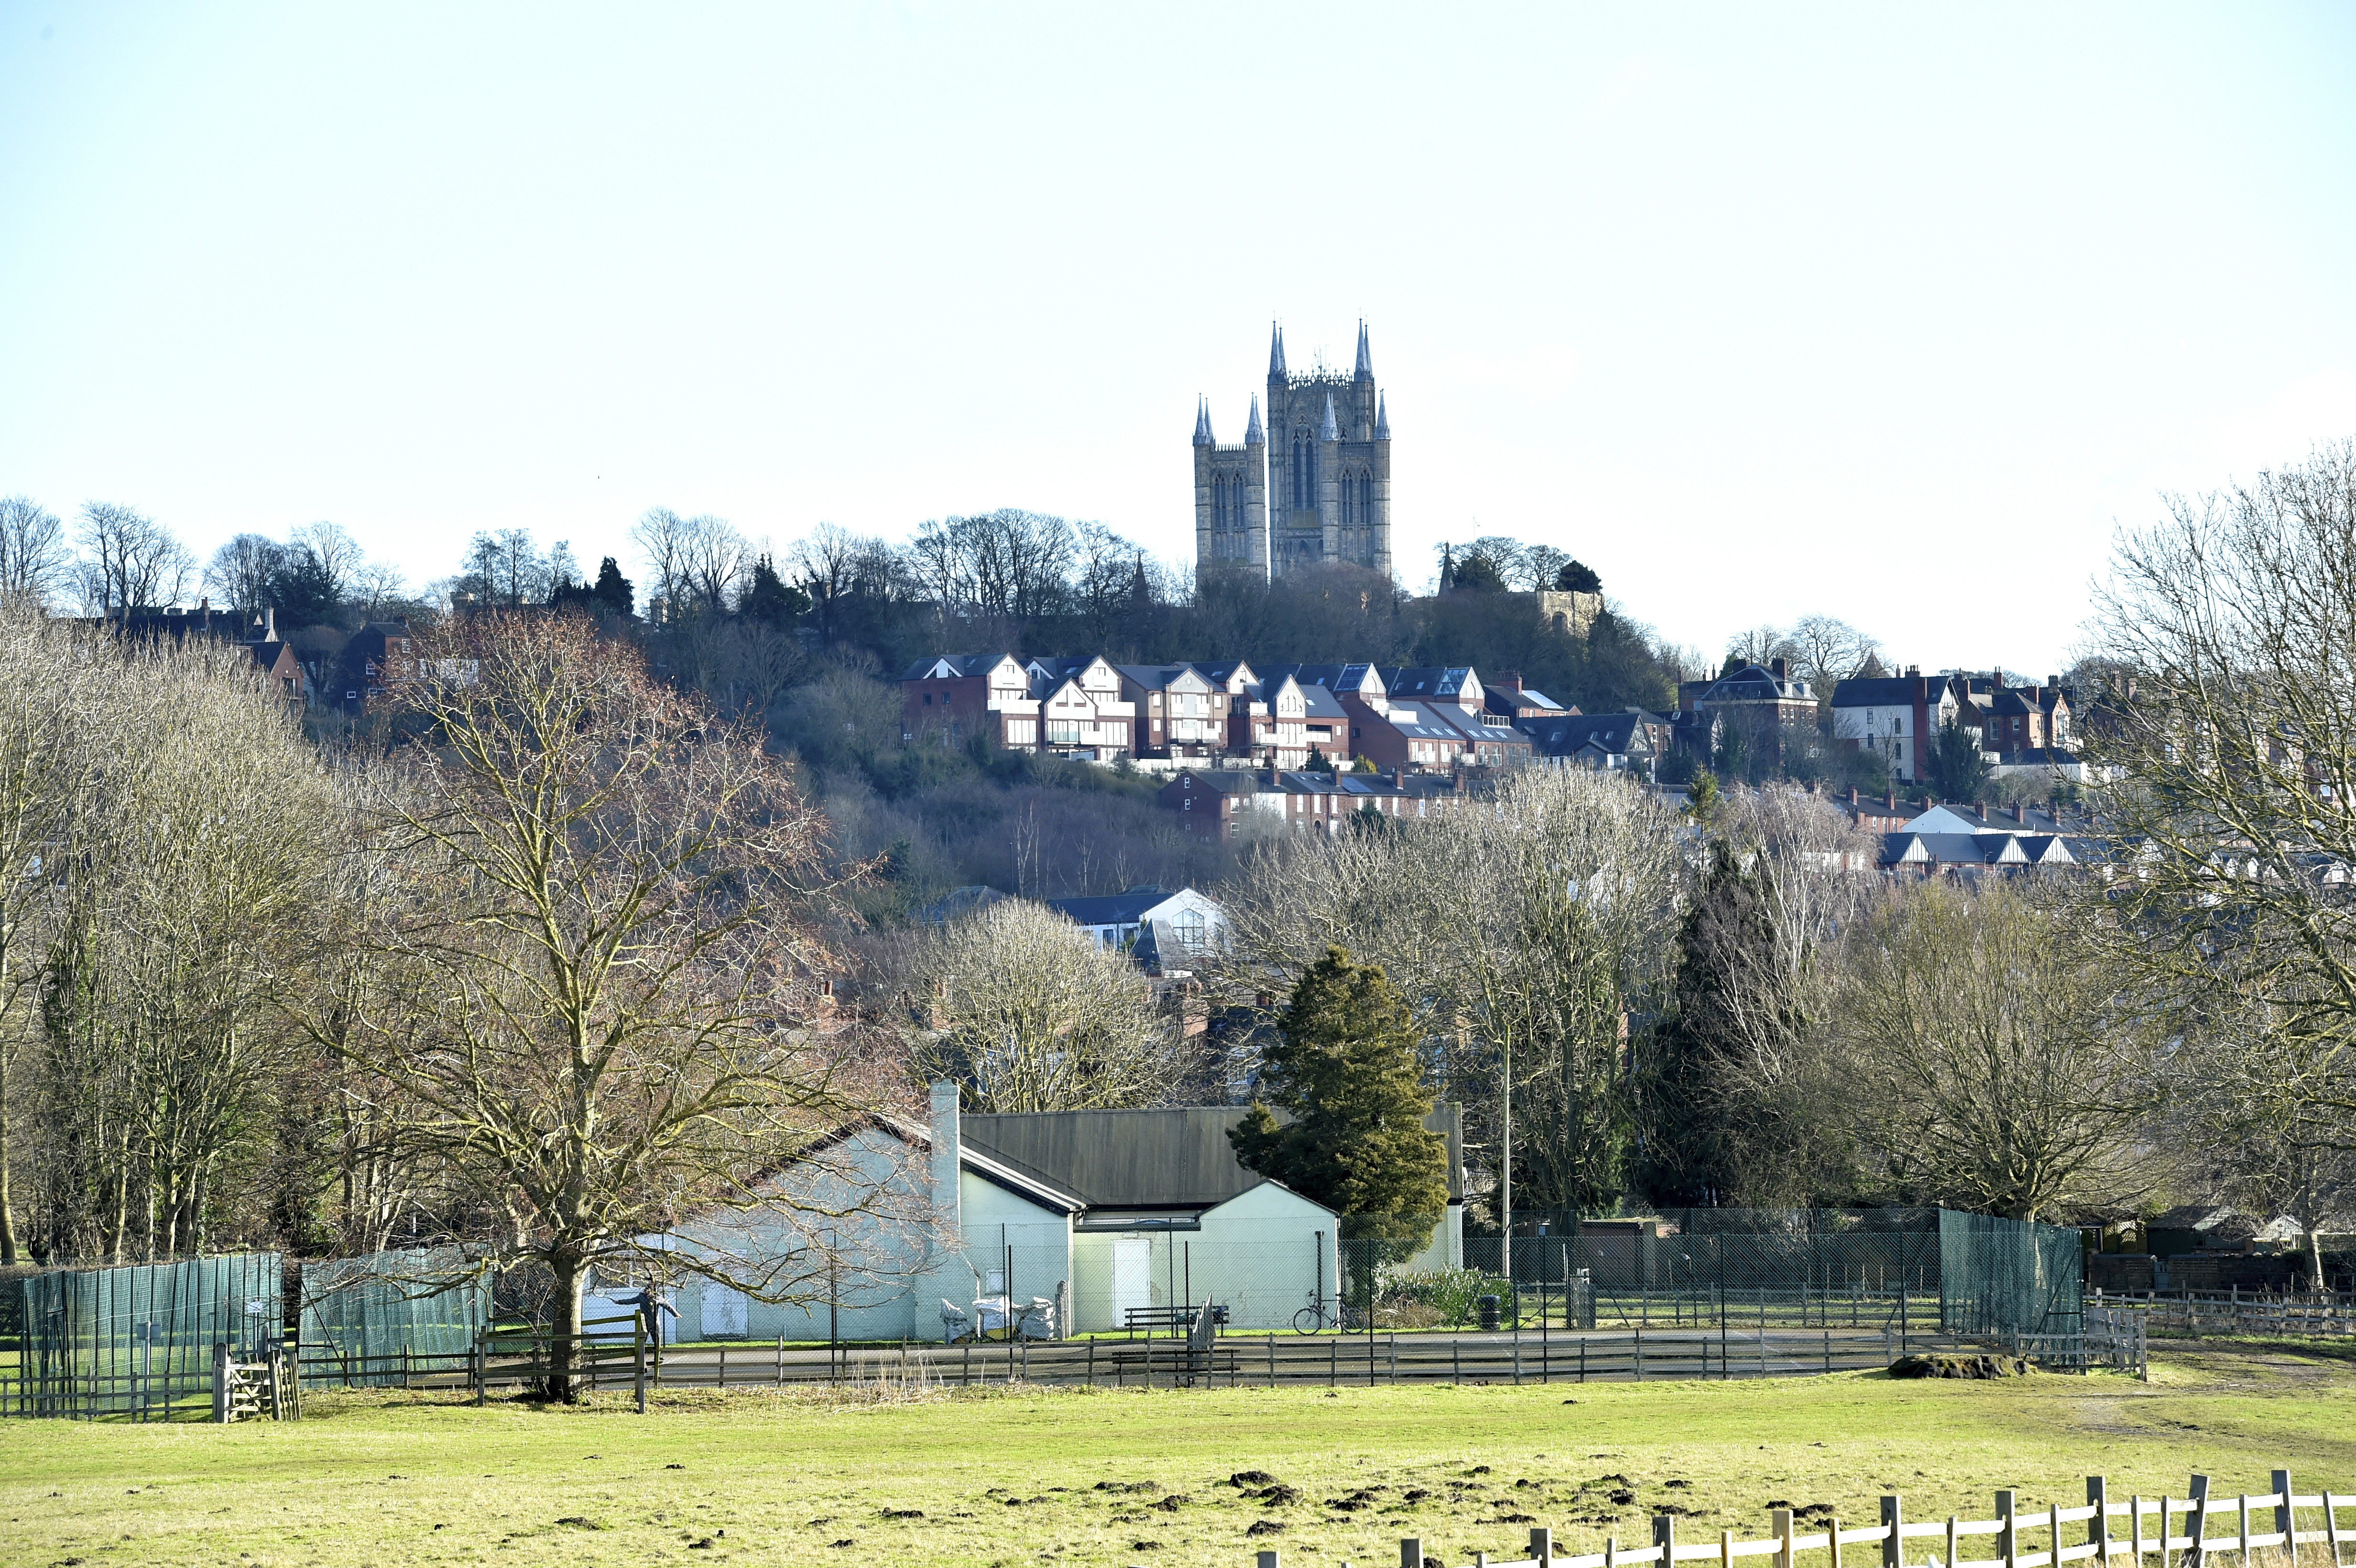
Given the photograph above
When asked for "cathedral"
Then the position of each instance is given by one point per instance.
(1314, 485)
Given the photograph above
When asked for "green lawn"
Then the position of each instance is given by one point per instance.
(1022, 1478)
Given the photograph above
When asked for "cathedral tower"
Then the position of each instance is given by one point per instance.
(1231, 496)
(1324, 492)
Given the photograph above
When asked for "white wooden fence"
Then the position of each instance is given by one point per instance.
(2167, 1532)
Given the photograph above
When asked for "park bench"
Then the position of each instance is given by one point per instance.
(1158, 1319)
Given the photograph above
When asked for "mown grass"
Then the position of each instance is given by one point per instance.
(1018, 1476)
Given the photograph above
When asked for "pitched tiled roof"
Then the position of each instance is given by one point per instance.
(1895, 691)
(947, 666)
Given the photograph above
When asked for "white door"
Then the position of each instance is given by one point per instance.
(725, 1311)
(1132, 1276)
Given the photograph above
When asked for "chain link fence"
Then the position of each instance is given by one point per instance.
(382, 1319)
(137, 1341)
(1929, 1270)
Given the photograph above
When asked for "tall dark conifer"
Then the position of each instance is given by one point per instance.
(1346, 1067)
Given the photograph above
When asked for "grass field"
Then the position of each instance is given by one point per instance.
(1010, 1477)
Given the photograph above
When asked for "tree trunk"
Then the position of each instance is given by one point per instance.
(564, 1327)
(2314, 1235)
(7, 1205)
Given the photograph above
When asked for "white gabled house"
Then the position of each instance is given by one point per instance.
(1093, 1212)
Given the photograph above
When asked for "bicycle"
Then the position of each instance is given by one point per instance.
(1321, 1315)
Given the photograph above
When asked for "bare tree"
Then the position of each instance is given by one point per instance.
(1520, 934)
(1995, 1052)
(130, 562)
(191, 851)
(1762, 645)
(1743, 1079)
(241, 571)
(1830, 652)
(661, 537)
(1006, 565)
(2224, 721)
(583, 954)
(373, 584)
(714, 557)
(46, 766)
(824, 565)
(1027, 1014)
(695, 562)
(33, 555)
(337, 554)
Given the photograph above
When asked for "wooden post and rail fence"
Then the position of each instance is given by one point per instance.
(618, 1353)
(2146, 1532)
(2305, 1314)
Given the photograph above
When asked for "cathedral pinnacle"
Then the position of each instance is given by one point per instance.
(1203, 422)
(1366, 371)
(1252, 436)
(1381, 417)
(1331, 429)
(1276, 353)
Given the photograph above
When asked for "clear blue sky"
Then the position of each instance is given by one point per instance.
(1887, 311)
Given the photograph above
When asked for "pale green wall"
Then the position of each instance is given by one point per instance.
(1259, 1252)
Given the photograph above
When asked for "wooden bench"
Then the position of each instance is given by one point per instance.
(1157, 1319)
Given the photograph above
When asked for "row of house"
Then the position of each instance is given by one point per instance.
(1925, 838)
(350, 677)
(2021, 728)
(1280, 718)
(1285, 716)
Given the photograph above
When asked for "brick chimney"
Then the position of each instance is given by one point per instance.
(1511, 678)
(1982, 806)
(1852, 797)
(1781, 668)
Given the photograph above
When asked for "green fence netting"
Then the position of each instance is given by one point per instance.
(138, 1340)
(380, 1319)
(1929, 1270)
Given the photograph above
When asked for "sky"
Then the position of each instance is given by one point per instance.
(1894, 314)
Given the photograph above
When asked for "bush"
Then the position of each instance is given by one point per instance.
(1450, 1296)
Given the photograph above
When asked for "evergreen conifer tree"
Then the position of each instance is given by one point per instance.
(769, 598)
(612, 591)
(1958, 768)
(1686, 1162)
(1346, 1066)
